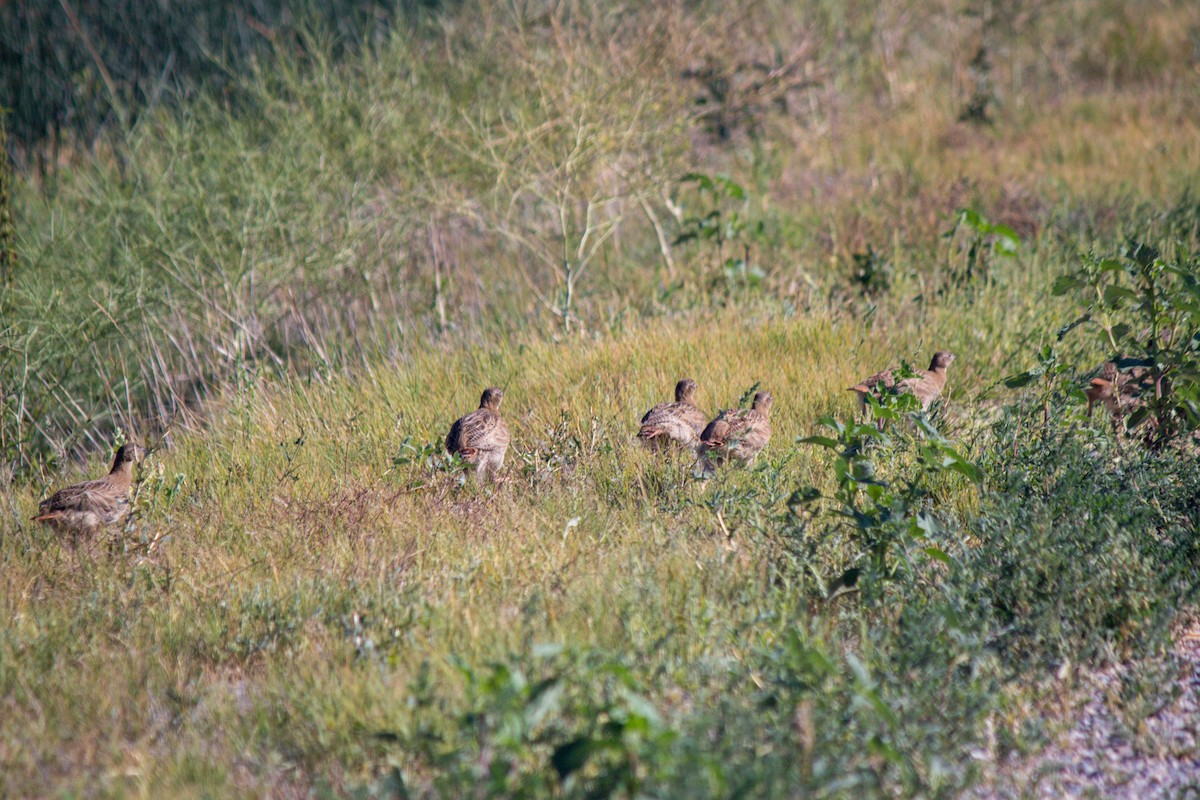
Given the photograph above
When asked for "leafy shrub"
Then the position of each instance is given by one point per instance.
(721, 225)
(975, 245)
(1084, 546)
(886, 514)
(873, 273)
(541, 722)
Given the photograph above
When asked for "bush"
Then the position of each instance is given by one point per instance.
(1085, 548)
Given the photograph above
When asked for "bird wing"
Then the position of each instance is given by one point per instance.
(454, 437)
(1135, 382)
(482, 430)
(693, 417)
(658, 414)
(749, 432)
(99, 497)
(715, 432)
(885, 380)
(1098, 389)
(676, 414)
(758, 432)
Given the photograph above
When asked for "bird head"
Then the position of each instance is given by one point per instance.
(685, 391)
(941, 359)
(491, 398)
(129, 453)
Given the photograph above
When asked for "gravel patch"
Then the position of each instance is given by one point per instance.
(1101, 757)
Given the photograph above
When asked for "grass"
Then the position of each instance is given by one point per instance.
(307, 602)
(308, 584)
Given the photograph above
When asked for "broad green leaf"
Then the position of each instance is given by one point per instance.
(938, 554)
(544, 700)
(641, 706)
(1137, 417)
(927, 524)
(823, 441)
(1115, 295)
(963, 467)
(732, 188)
(1066, 283)
(1141, 252)
(1006, 232)
(973, 219)
(700, 179)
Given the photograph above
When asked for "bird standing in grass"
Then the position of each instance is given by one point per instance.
(739, 434)
(481, 437)
(680, 422)
(1118, 391)
(86, 507)
(926, 385)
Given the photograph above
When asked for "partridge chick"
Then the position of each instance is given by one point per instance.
(738, 434)
(87, 507)
(680, 422)
(481, 437)
(926, 385)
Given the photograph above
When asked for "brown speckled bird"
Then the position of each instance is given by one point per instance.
(481, 437)
(86, 507)
(1118, 391)
(1100, 390)
(739, 433)
(926, 385)
(680, 422)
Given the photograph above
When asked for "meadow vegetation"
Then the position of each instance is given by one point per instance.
(295, 294)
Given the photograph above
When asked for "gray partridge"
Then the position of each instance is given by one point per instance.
(1100, 390)
(739, 434)
(87, 507)
(1118, 391)
(680, 422)
(481, 437)
(926, 385)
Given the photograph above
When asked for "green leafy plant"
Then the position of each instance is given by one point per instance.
(887, 519)
(873, 273)
(1049, 377)
(549, 721)
(431, 455)
(721, 223)
(1089, 545)
(976, 243)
